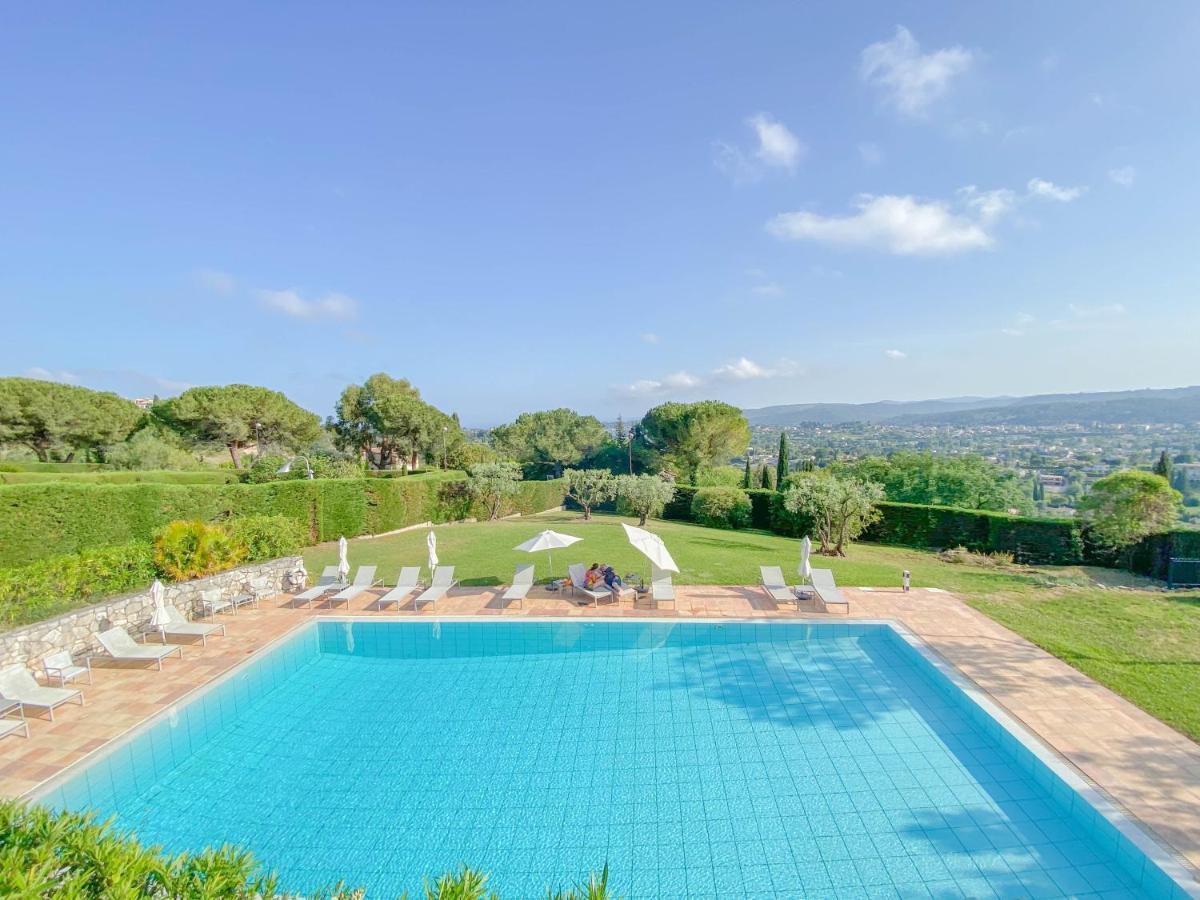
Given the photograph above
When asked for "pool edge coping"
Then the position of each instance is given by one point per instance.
(1156, 850)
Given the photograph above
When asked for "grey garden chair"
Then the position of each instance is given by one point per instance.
(121, 647)
(364, 580)
(827, 591)
(578, 575)
(522, 584)
(326, 583)
(17, 683)
(407, 584)
(178, 626)
(662, 589)
(443, 580)
(60, 667)
(771, 578)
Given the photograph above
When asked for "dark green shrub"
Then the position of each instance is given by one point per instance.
(680, 506)
(721, 507)
(786, 522)
(267, 537)
(56, 585)
(184, 550)
(761, 504)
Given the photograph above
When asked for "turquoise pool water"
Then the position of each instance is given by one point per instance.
(697, 760)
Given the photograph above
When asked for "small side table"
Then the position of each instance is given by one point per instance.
(242, 599)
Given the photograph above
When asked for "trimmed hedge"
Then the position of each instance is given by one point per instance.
(762, 502)
(198, 476)
(12, 465)
(680, 506)
(1029, 540)
(42, 520)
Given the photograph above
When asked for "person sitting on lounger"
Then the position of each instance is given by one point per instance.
(594, 576)
(612, 579)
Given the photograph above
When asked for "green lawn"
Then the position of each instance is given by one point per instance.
(1142, 643)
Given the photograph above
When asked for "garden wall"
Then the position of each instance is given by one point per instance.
(76, 631)
(40, 520)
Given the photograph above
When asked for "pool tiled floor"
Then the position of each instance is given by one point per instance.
(1147, 768)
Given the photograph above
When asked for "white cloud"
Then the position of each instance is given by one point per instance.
(895, 354)
(911, 226)
(289, 302)
(650, 337)
(989, 204)
(777, 146)
(1124, 176)
(1100, 311)
(682, 380)
(62, 375)
(768, 289)
(870, 153)
(1012, 332)
(1040, 187)
(741, 369)
(911, 80)
(904, 226)
(216, 281)
(738, 370)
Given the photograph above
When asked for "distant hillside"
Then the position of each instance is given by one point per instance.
(1151, 406)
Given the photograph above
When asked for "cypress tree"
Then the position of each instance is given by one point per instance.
(621, 436)
(766, 477)
(783, 465)
(747, 476)
(1163, 466)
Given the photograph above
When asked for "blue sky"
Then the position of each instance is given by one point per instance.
(526, 205)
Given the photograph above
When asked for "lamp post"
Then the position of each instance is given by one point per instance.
(287, 466)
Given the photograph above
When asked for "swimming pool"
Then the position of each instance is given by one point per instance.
(698, 759)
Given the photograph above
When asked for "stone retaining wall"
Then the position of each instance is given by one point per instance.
(76, 631)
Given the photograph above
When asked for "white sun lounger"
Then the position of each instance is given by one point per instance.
(662, 589)
(578, 576)
(9, 725)
(178, 626)
(443, 580)
(120, 646)
(364, 580)
(522, 584)
(326, 583)
(61, 667)
(406, 584)
(17, 683)
(772, 581)
(827, 591)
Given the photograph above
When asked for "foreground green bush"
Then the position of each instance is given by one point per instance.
(185, 550)
(721, 507)
(72, 856)
(53, 586)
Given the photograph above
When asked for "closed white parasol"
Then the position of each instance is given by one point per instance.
(159, 620)
(431, 544)
(343, 560)
(805, 551)
(548, 540)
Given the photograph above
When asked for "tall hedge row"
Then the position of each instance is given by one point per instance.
(199, 476)
(40, 520)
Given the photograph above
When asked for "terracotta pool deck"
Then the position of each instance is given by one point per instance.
(1148, 769)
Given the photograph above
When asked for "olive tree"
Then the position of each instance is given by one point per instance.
(644, 495)
(840, 508)
(493, 483)
(588, 487)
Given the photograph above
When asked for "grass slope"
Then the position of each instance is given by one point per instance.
(1142, 643)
